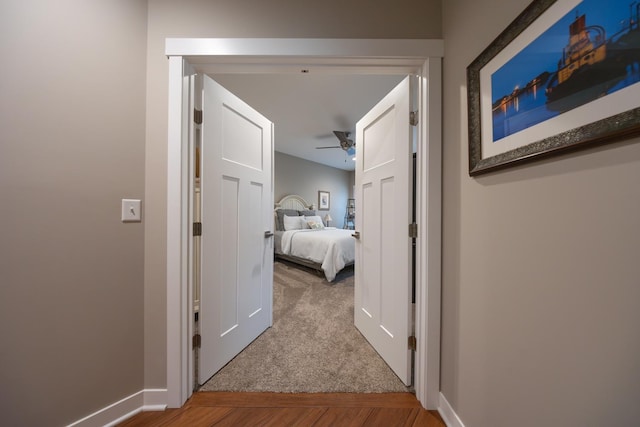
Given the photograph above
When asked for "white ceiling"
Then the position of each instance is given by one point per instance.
(306, 107)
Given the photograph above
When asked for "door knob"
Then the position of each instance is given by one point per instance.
(267, 234)
(356, 234)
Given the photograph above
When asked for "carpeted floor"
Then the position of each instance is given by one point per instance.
(313, 345)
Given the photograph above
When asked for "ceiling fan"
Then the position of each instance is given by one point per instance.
(345, 143)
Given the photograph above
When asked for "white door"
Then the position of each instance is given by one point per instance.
(383, 246)
(237, 220)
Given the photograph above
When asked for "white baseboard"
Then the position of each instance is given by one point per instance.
(144, 400)
(155, 399)
(447, 413)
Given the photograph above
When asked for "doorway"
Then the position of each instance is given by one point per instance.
(421, 57)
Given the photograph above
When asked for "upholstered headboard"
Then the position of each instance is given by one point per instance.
(292, 205)
(295, 202)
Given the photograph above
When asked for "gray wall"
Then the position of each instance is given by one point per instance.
(72, 112)
(541, 299)
(541, 279)
(231, 18)
(294, 175)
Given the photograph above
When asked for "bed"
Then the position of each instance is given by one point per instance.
(301, 237)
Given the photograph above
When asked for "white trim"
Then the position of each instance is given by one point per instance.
(177, 337)
(155, 399)
(428, 250)
(416, 56)
(190, 100)
(447, 413)
(282, 47)
(144, 400)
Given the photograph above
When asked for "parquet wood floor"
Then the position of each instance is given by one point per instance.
(293, 409)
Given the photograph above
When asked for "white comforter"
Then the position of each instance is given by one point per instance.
(333, 248)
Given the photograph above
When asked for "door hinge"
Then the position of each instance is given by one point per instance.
(197, 116)
(197, 229)
(413, 118)
(413, 343)
(413, 230)
(197, 341)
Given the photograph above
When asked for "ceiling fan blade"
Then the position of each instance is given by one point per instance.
(324, 136)
(322, 148)
(345, 142)
(342, 136)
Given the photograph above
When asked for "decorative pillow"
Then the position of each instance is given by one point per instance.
(314, 222)
(294, 222)
(315, 225)
(307, 213)
(280, 213)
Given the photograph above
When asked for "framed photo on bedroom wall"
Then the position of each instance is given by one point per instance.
(324, 201)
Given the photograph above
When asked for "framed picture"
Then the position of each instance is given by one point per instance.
(324, 201)
(564, 75)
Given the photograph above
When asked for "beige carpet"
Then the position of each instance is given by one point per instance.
(312, 346)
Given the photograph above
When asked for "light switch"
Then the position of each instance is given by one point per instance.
(131, 210)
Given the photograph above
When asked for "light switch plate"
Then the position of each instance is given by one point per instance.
(131, 210)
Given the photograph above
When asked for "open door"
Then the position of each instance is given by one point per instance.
(237, 220)
(383, 246)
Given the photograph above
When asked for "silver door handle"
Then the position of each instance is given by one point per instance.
(356, 234)
(268, 234)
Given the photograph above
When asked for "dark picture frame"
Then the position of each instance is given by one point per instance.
(324, 201)
(578, 111)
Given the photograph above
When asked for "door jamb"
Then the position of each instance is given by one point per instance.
(362, 56)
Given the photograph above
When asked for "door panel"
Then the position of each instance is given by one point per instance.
(237, 203)
(242, 142)
(229, 253)
(383, 261)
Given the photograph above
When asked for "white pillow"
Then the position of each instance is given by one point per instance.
(314, 222)
(293, 223)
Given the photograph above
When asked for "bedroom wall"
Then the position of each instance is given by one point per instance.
(72, 145)
(294, 175)
(230, 18)
(541, 279)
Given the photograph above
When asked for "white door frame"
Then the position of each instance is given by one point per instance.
(357, 56)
